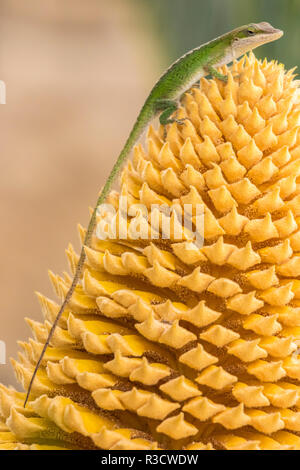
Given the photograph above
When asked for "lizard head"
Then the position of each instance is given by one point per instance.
(248, 37)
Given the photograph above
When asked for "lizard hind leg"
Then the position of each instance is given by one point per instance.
(168, 107)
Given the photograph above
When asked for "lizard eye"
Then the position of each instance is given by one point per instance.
(250, 32)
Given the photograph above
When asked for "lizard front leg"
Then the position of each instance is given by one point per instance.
(212, 71)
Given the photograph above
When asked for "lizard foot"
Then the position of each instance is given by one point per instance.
(178, 121)
(181, 121)
(165, 133)
(223, 78)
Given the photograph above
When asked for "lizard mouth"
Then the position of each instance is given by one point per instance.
(276, 34)
(272, 36)
(268, 29)
(260, 39)
(270, 33)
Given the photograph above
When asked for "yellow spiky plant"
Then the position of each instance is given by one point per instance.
(166, 345)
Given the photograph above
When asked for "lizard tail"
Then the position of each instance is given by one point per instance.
(138, 128)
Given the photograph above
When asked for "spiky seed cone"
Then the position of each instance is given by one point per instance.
(167, 345)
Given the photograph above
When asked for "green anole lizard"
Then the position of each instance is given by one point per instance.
(164, 100)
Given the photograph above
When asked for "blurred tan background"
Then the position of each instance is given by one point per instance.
(77, 73)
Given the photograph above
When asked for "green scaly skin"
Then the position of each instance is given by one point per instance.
(163, 100)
